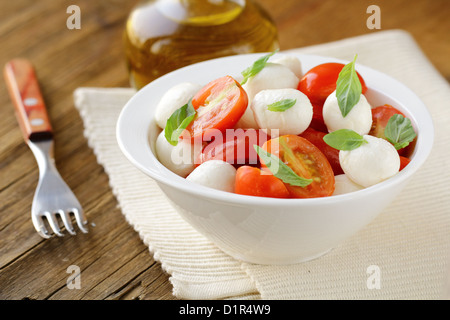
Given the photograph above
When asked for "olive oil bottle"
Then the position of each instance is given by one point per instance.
(164, 35)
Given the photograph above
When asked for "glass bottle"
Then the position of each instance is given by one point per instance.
(164, 35)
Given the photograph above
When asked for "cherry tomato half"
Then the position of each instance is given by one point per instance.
(320, 81)
(235, 146)
(307, 161)
(219, 105)
(380, 118)
(332, 154)
(252, 181)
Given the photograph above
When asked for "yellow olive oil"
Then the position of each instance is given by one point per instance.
(164, 35)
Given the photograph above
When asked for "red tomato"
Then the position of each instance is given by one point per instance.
(319, 82)
(219, 105)
(234, 147)
(404, 161)
(252, 181)
(332, 154)
(317, 121)
(380, 118)
(307, 161)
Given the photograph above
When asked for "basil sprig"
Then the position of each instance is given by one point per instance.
(280, 170)
(348, 88)
(178, 121)
(399, 131)
(344, 139)
(282, 105)
(256, 67)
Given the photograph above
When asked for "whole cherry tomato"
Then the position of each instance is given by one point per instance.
(235, 146)
(317, 121)
(320, 81)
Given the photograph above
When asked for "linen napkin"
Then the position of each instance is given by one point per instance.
(402, 254)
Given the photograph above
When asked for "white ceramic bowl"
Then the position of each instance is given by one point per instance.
(266, 230)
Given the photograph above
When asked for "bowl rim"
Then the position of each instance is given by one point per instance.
(150, 165)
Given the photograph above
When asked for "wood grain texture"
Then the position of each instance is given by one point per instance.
(114, 262)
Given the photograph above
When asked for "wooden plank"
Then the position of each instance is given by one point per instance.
(98, 254)
(139, 279)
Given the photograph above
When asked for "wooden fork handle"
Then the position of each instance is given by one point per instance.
(26, 95)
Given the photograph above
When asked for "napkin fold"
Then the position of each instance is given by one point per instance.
(402, 254)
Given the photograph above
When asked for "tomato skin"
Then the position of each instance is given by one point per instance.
(253, 181)
(320, 81)
(305, 159)
(317, 121)
(234, 147)
(219, 105)
(380, 119)
(332, 154)
(404, 161)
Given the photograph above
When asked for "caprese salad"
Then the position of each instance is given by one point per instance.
(276, 132)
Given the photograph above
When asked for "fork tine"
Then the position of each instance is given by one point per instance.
(51, 218)
(81, 219)
(67, 221)
(40, 226)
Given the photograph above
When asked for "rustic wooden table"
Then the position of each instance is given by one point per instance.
(115, 263)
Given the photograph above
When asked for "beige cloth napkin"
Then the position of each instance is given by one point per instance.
(406, 247)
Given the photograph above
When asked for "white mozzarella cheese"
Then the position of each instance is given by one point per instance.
(247, 121)
(294, 120)
(215, 174)
(179, 159)
(173, 99)
(371, 163)
(290, 61)
(272, 76)
(359, 119)
(344, 185)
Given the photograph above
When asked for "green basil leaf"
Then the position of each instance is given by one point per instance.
(178, 121)
(282, 105)
(399, 131)
(348, 88)
(256, 67)
(344, 139)
(280, 170)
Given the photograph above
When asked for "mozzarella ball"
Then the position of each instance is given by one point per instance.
(173, 99)
(179, 159)
(215, 174)
(272, 76)
(344, 185)
(290, 61)
(294, 120)
(247, 120)
(371, 163)
(359, 119)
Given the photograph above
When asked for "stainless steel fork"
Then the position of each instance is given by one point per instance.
(53, 198)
